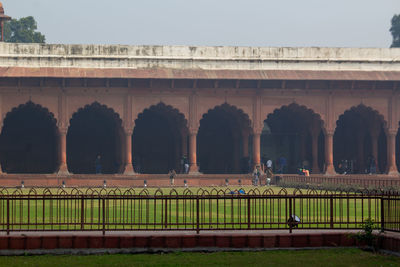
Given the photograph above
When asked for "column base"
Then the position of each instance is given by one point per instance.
(330, 171)
(194, 170)
(394, 173)
(129, 170)
(63, 171)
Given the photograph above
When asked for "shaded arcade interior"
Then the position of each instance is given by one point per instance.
(294, 133)
(360, 141)
(28, 141)
(223, 141)
(95, 130)
(159, 140)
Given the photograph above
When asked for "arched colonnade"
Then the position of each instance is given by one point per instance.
(224, 140)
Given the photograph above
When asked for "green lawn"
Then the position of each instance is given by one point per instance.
(325, 258)
(148, 213)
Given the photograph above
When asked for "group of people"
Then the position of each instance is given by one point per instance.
(184, 165)
(349, 166)
(267, 165)
(265, 170)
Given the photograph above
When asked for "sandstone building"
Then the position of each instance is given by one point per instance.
(144, 107)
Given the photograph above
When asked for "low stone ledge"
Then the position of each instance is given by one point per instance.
(182, 241)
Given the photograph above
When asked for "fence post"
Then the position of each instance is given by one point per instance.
(331, 212)
(8, 216)
(166, 213)
(248, 213)
(382, 215)
(197, 215)
(290, 215)
(104, 215)
(82, 212)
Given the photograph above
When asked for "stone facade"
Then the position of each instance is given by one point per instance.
(193, 80)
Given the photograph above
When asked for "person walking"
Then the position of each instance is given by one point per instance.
(186, 167)
(172, 175)
(256, 176)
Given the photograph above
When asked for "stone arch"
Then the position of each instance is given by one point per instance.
(360, 139)
(50, 103)
(159, 139)
(293, 134)
(205, 104)
(75, 103)
(351, 104)
(29, 140)
(223, 140)
(142, 103)
(95, 130)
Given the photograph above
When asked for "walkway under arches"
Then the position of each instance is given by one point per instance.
(159, 140)
(29, 140)
(223, 140)
(293, 133)
(359, 140)
(95, 130)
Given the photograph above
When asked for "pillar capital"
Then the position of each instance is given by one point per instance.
(257, 131)
(330, 132)
(63, 131)
(128, 127)
(62, 128)
(193, 130)
(392, 132)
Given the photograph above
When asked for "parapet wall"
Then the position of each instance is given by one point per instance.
(199, 57)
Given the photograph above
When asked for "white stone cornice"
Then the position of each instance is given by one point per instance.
(201, 57)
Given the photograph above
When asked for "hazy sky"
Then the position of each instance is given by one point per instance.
(342, 23)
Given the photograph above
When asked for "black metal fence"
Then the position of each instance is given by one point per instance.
(365, 181)
(213, 209)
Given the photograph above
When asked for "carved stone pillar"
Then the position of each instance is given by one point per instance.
(62, 135)
(256, 149)
(194, 169)
(128, 149)
(330, 169)
(391, 153)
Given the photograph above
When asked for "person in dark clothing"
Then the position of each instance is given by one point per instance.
(98, 164)
(282, 164)
(172, 175)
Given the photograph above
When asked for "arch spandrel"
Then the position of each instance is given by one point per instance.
(75, 103)
(141, 103)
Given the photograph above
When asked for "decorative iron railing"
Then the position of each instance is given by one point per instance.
(113, 209)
